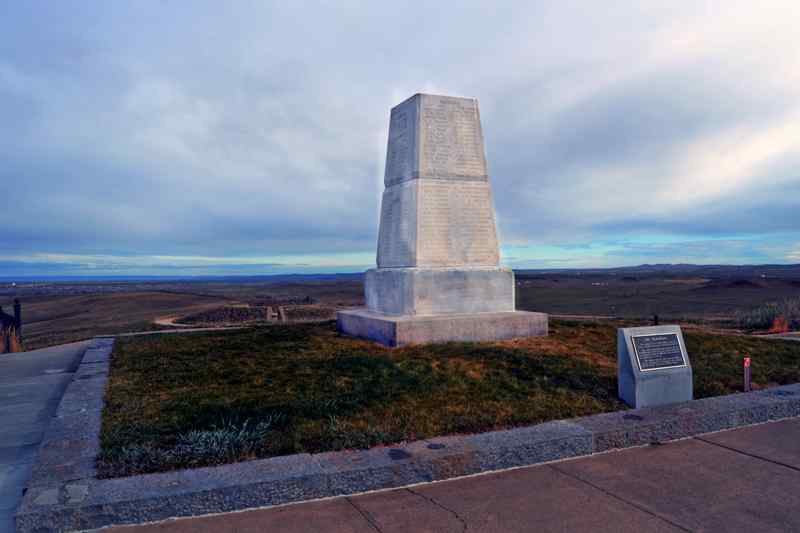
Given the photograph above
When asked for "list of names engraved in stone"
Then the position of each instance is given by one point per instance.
(397, 157)
(456, 226)
(397, 239)
(400, 154)
(451, 139)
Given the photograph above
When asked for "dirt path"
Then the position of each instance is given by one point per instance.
(188, 329)
(169, 321)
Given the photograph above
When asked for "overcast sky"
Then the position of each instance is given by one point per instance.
(162, 137)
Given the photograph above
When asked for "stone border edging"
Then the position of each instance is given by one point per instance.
(64, 494)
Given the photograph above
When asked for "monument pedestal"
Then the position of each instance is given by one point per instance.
(430, 291)
(396, 331)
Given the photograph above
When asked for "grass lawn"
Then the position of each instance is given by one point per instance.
(201, 399)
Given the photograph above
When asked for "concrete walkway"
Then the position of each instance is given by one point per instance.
(741, 480)
(31, 386)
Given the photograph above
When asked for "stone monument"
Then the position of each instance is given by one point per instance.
(439, 276)
(653, 367)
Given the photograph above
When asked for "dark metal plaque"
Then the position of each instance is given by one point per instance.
(659, 351)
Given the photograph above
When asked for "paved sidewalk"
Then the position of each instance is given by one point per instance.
(741, 480)
(31, 386)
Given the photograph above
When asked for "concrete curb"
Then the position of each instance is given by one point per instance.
(64, 493)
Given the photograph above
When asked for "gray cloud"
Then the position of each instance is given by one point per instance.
(259, 129)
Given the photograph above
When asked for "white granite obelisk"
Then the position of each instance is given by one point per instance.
(439, 276)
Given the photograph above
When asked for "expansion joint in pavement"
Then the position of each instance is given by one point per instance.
(620, 498)
(754, 456)
(364, 514)
(440, 506)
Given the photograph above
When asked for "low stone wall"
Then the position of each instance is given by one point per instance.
(64, 493)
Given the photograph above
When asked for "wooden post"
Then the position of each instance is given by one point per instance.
(18, 319)
(5, 334)
(747, 383)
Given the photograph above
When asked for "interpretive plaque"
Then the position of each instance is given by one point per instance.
(653, 367)
(656, 352)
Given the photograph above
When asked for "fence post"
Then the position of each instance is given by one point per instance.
(5, 335)
(18, 319)
(747, 374)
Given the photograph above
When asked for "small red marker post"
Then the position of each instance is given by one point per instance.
(747, 374)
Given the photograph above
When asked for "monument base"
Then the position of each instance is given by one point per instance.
(439, 291)
(395, 331)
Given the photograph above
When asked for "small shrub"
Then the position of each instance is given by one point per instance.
(226, 443)
(786, 312)
(9, 342)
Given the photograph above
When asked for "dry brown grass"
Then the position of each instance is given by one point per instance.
(590, 344)
(333, 392)
(48, 321)
(9, 342)
(320, 391)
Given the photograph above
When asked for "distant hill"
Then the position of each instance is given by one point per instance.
(788, 272)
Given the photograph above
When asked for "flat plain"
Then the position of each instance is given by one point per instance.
(67, 311)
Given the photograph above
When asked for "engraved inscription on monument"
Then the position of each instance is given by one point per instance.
(456, 224)
(400, 153)
(656, 352)
(451, 139)
(397, 237)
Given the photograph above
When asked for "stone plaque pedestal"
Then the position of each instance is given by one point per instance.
(439, 277)
(653, 367)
